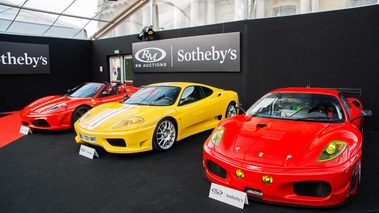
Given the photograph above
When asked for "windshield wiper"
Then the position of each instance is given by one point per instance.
(315, 118)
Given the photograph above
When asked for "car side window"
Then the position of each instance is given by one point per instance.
(191, 94)
(207, 91)
(345, 103)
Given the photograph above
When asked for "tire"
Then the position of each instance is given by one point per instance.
(231, 110)
(164, 135)
(78, 113)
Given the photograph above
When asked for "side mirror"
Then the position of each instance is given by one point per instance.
(239, 106)
(364, 113)
(186, 100)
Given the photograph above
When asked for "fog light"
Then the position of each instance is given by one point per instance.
(267, 179)
(239, 173)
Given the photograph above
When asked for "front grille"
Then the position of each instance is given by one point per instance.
(40, 122)
(216, 169)
(116, 142)
(312, 188)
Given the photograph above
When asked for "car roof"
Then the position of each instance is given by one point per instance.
(317, 90)
(179, 83)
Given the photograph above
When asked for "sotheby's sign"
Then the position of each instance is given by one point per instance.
(24, 58)
(217, 52)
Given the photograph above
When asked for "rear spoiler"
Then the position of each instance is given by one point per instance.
(355, 91)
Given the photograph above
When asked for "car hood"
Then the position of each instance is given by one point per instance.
(273, 141)
(106, 116)
(43, 104)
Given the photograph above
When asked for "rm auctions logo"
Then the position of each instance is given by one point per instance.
(217, 191)
(150, 55)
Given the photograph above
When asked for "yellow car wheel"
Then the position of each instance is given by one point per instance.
(164, 135)
(231, 110)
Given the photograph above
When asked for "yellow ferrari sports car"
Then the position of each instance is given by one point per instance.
(155, 117)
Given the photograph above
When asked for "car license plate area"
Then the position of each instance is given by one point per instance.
(87, 138)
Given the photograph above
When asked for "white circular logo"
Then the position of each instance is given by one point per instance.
(150, 55)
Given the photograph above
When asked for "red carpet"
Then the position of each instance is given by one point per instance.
(10, 124)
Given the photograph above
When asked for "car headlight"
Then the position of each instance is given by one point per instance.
(85, 116)
(56, 107)
(129, 122)
(332, 150)
(217, 135)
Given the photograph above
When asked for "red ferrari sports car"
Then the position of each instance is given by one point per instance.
(61, 111)
(294, 146)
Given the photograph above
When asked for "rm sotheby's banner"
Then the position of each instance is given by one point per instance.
(24, 58)
(216, 52)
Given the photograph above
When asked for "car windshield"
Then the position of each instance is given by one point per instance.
(84, 90)
(154, 95)
(298, 106)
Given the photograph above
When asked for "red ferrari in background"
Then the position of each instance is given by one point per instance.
(294, 146)
(61, 111)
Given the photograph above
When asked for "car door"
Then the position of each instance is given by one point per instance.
(193, 109)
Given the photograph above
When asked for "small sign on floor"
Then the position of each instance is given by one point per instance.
(25, 130)
(227, 195)
(88, 152)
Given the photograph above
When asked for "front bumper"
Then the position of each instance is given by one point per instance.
(56, 121)
(321, 187)
(132, 141)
